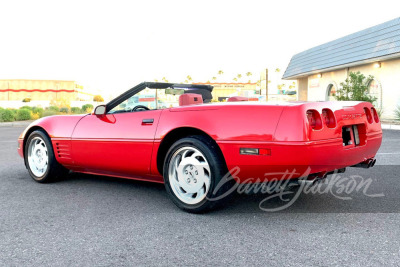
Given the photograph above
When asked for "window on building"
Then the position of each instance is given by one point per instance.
(331, 92)
(375, 90)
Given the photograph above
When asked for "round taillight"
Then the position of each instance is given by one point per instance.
(314, 119)
(368, 114)
(375, 114)
(329, 118)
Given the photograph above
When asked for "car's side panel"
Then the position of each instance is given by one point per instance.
(251, 123)
(119, 144)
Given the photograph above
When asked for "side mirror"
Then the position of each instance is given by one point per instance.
(100, 110)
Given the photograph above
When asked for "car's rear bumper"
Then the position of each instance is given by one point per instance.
(299, 157)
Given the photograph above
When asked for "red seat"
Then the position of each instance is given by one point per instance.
(237, 98)
(190, 99)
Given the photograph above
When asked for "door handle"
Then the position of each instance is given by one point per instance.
(147, 121)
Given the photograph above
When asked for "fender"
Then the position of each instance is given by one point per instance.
(59, 128)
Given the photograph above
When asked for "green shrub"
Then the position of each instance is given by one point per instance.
(26, 107)
(64, 110)
(14, 112)
(54, 108)
(6, 115)
(355, 87)
(49, 112)
(76, 110)
(23, 115)
(37, 110)
(25, 100)
(87, 108)
(397, 113)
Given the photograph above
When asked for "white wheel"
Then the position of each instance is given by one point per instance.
(38, 157)
(193, 169)
(189, 175)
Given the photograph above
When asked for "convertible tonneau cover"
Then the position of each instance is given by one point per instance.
(158, 85)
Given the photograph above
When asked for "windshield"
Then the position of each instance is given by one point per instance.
(150, 99)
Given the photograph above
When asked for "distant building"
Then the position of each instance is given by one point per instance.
(42, 90)
(374, 51)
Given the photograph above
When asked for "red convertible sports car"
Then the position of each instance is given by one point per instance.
(168, 133)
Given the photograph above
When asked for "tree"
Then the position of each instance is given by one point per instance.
(248, 74)
(397, 113)
(98, 98)
(355, 87)
(214, 78)
(220, 72)
(277, 70)
(189, 78)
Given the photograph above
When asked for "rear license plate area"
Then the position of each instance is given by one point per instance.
(350, 136)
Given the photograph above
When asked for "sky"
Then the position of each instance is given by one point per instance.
(110, 46)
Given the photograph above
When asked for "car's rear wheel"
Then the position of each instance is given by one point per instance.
(40, 160)
(192, 171)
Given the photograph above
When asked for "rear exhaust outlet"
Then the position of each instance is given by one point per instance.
(373, 163)
(342, 170)
(369, 163)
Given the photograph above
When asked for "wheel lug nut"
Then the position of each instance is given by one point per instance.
(186, 172)
(195, 180)
(196, 172)
(188, 180)
(191, 167)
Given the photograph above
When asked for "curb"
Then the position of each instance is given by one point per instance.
(390, 126)
(15, 124)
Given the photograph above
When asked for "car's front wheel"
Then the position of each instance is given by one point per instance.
(193, 173)
(40, 160)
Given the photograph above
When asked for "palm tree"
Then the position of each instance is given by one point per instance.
(156, 80)
(277, 70)
(239, 76)
(248, 74)
(164, 79)
(189, 78)
(214, 78)
(220, 73)
(235, 79)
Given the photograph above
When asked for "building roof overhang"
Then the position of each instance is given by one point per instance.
(338, 67)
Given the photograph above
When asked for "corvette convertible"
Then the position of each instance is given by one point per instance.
(172, 134)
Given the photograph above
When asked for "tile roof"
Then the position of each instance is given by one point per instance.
(375, 42)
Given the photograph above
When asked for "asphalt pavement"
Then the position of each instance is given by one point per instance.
(87, 220)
